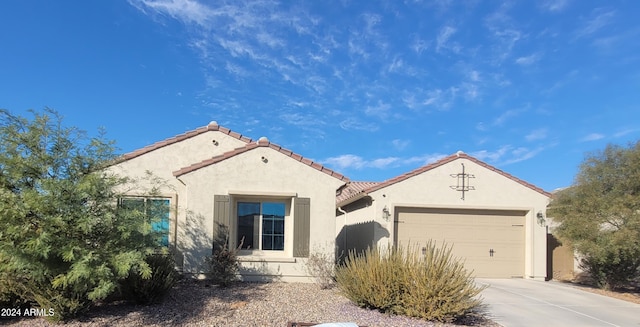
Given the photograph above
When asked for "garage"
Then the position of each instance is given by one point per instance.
(491, 242)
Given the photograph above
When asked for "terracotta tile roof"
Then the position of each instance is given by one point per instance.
(354, 190)
(342, 201)
(213, 126)
(262, 142)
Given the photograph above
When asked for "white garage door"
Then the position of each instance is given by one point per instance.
(490, 241)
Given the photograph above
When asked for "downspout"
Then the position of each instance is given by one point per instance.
(344, 227)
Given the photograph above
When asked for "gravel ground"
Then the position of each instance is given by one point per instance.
(245, 304)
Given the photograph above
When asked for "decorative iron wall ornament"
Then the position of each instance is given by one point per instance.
(463, 183)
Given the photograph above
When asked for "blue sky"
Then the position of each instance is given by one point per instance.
(371, 89)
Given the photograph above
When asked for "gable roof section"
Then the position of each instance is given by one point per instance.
(343, 200)
(262, 142)
(354, 190)
(213, 126)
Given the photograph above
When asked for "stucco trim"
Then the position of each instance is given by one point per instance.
(262, 142)
(264, 194)
(253, 258)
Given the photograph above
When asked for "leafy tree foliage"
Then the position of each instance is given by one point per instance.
(600, 215)
(64, 241)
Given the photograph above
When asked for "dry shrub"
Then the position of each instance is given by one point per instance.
(433, 286)
(321, 265)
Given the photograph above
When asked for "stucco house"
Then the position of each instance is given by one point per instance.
(279, 206)
(494, 221)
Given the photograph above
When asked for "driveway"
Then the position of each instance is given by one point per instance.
(524, 302)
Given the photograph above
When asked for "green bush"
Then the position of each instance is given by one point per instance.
(434, 286)
(612, 266)
(154, 289)
(10, 291)
(64, 242)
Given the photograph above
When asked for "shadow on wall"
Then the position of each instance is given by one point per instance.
(358, 237)
(194, 244)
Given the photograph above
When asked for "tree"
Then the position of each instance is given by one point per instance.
(64, 241)
(600, 215)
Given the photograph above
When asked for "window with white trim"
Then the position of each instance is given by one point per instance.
(261, 225)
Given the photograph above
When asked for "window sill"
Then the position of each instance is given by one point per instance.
(250, 258)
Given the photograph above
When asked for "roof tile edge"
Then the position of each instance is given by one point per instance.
(212, 126)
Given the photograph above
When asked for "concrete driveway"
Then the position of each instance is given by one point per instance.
(523, 302)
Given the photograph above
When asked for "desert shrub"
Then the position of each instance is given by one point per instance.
(222, 266)
(321, 265)
(612, 267)
(399, 281)
(154, 289)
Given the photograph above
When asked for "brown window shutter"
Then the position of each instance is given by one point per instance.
(221, 217)
(301, 226)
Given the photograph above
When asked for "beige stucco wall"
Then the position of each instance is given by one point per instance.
(162, 162)
(244, 175)
(492, 190)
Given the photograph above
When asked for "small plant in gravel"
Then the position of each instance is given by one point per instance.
(154, 289)
(223, 265)
(321, 265)
(433, 286)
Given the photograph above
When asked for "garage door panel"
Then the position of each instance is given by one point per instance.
(491, 242)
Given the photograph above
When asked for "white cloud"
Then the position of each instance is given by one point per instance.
(270, 40)
(381, 110)
(554, 6)
(507, 115)
(522, 154)
(424, 159)
(492, 156)
(419, 45)
(600, 18)
(381, 163)
(352, 161)
(442, 40)
(592, 137)
(301, 120)
(441, 99)
(187, 11)
(236, 70)
(355, 124)
(345, 161)
(528, 60)
(395, 65)
(400, 145)
(537, 134)
(481, 126)
(473, 75)
(625, 132)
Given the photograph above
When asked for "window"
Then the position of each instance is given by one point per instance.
(261, 225)
(157, 210)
